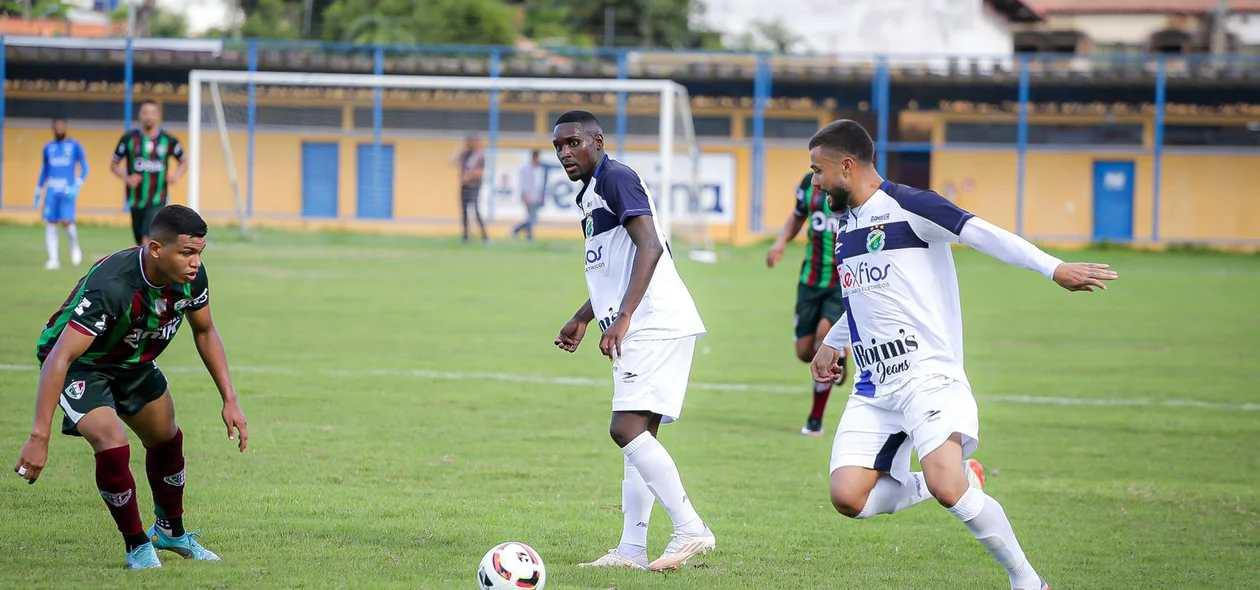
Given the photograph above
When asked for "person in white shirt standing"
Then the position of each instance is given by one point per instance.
(905, 329)
(530, 179)
(650, 326)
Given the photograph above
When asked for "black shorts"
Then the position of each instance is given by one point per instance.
(141, 219)
(815, 303)
(125, 389)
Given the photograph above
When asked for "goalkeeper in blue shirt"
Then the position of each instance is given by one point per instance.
(64, 169)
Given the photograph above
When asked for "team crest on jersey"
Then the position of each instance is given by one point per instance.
(159, 306)
(161, 150)
(75, 390)
(148, 146)
(875, 240)
(590, 226)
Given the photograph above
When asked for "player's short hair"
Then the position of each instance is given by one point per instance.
(577, 116)
(174, 221)
(56, 120)
(847, 137)
(148, 101)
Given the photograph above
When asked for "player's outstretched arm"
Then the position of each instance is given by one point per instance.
(791, 228)
(52, 377)
(1016, 251)
(210, 347)
(647, 252)
(571, 334)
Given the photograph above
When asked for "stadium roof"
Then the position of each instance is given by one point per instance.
(1046, 7)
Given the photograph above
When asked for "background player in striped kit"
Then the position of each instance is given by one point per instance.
(58, 176)
(819, 300)
(97, 357)
(140, 160)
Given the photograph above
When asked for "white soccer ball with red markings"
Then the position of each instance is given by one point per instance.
(511, 566)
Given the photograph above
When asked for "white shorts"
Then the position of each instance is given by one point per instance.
(874, 436)
(651, 376)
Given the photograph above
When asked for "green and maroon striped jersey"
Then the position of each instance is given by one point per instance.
(148, 156)
(822, 224)
(131, 319)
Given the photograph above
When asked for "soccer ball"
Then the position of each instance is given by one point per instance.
(511, 565)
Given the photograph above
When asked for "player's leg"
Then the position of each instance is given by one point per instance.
(464, 204)
(52, 215)
(150, 412)
(68, 215)
(636, 498)
(870, 463)
(947, 431)
(806, 323)
(137, 225)
(88, 404)
(476, 205)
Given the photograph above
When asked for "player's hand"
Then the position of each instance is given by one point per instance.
(32, 459)
(611, 342)
(1083, 276)
(571, 335)
(828, 365)
(134, 180)
(39, 193)
(233, 417)
(775, 254)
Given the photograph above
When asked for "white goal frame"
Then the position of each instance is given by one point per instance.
(672, 95)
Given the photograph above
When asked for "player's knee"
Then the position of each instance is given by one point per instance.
(623, 434)
(805, 349)
(947, 492)
(846, 502)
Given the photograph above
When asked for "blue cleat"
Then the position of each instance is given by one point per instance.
(186, 546)
(143, 557)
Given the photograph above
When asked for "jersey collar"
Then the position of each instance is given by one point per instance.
(140, 259)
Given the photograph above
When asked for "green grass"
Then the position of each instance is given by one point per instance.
(396, 479)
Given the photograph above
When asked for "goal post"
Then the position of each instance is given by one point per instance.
(219, 99)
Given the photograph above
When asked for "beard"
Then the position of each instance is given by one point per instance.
(838, 197)
(59, 136)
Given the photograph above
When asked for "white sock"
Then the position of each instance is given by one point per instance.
(889, 495)
(50, 240)
(661, 476)
(988, 524)
(636, 505)
(72, 232)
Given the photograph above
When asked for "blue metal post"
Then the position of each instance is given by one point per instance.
(623, 72)
(128, 80)
(761, 93)
(881, 100)
(1021, 145)
(493, 149)
(1157, 156)
(252, 120)
(378, 122)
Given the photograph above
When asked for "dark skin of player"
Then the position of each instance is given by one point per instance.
(166, 260)
(580, 149)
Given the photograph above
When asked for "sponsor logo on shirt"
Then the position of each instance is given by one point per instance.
(863, 277)
(595, 259)
(885, 359)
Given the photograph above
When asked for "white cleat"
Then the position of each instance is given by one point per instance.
(975, 473)
(76, 257)
(614, 558)
(52, 264)
(683, 547)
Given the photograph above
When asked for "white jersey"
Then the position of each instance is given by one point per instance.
(901, 289)
(614, 195)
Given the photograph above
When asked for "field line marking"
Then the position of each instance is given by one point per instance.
(748, 387)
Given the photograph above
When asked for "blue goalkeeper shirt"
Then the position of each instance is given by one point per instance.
(58, 171)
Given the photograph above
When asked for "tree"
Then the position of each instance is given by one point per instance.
(636, 23)
(467, 22)
(774, 35)
(271, 19)
(38, 8)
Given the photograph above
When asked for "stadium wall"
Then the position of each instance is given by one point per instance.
(1205, 195)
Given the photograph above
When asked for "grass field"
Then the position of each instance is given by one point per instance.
(408, 410)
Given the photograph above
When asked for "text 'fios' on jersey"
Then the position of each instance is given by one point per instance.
(615, 195)
(900, 288)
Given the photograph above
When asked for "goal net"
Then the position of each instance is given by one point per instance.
(365, 149)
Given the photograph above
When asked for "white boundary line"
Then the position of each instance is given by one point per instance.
(749, 387)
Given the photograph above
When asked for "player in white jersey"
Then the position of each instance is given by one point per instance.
(650, 326)
(905, 328)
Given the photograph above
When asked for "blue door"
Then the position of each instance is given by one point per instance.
(319, 179)
(1113, 201)
(376, 181)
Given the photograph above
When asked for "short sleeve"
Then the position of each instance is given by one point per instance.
(624, 193)
(199, 291)
(120, 152)
(100, 307)
(177, 149)
(803, 195)
(933, 217)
